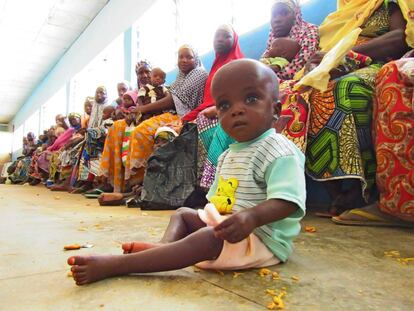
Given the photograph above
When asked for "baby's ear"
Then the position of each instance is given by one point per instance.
(277, 107)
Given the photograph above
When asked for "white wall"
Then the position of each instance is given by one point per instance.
(115, 18)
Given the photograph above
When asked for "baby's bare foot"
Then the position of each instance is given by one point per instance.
(88, 269)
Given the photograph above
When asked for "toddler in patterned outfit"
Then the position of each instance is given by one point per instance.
(259, 182)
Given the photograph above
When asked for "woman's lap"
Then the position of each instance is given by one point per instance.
(337, 135)
(394, 138)
(142, 140)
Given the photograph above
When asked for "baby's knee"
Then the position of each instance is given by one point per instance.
(185, 211)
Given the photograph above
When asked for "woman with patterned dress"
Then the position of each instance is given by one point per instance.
(334, 127)
(393, 127)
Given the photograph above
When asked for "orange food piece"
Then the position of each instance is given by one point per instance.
(310, 229)
(264, 272)
(71, 247)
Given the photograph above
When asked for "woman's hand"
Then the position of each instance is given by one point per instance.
(236, 228)
(210, 112)
(314, 61)
(409, 54)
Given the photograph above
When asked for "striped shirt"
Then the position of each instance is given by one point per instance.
(268, 167)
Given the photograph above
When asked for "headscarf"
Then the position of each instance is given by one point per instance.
(187, 89)
(219, 61)
(31, 136)
(142, 63)
(353, 14)
(95, 119)
(125, 82)
(306, 34)
(66, 136)
(74, 115)
(133, 96)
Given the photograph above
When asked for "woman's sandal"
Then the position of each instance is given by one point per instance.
(366, 217)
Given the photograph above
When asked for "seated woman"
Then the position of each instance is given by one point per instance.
(212, 139)
(87, 109)
(287, 22)
(185, 93)
(21, 171)
(61, 125)
(115, 152)
(112, 171)
(94, 140)
(337, 138)
(393, 121)
(48, 161)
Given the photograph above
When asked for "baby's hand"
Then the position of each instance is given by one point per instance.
(235, 228)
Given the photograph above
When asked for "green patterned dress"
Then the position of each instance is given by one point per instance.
(339, 142)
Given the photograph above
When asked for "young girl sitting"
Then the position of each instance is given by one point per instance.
(281, 53)
(262, 176)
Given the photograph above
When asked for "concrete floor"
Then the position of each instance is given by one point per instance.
(339, 268)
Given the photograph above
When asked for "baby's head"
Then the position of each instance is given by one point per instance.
(157, 77)
(87, 105)
(107, 112)
(284, 47)
(129, 99)
(60, 119)
(246, 95)
(164, 135)
(122, 88)
(128, 107)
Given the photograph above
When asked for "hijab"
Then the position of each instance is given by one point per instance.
(187, 89)
(219, 61)
(133, 96)
(306, 34)
(95, 119)
(142, 63)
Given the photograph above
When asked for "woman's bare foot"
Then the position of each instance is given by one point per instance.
(88, 269)
(111, 199)
(135, 247)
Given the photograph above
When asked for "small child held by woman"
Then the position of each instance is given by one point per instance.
(155, 90)
(261, 177)
(282, 52)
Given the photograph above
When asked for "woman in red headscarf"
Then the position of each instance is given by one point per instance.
(212, 139)
(226, 46)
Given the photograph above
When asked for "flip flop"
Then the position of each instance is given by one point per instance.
(368, 219)
(93, 194)
(325, 215)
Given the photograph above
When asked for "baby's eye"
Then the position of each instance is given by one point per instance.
(251, 99)
(223, 105)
